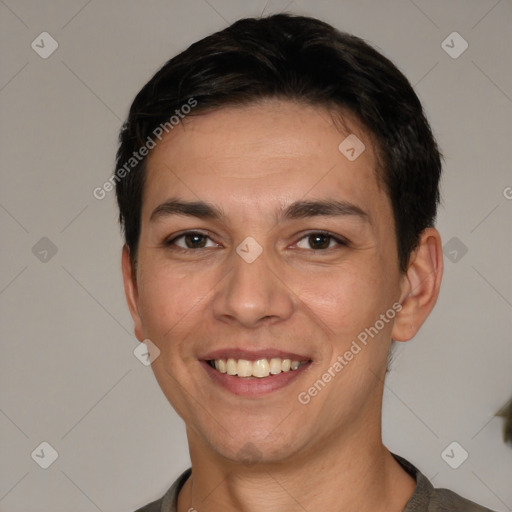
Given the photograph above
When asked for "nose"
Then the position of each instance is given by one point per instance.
(253, 294)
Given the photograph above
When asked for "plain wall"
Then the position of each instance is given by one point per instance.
(68, 373)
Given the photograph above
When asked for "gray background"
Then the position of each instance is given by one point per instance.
(68, 373)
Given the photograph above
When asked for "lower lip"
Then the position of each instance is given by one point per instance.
(253, 386)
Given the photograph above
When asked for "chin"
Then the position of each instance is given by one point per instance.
(255, 449)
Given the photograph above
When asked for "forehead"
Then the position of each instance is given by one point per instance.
(265, 153)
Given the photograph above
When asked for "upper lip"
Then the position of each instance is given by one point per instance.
(251, 355)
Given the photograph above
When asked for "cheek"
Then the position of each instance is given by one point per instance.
(168, 303)
(344, 300)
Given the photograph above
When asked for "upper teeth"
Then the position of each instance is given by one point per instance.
(259, 368)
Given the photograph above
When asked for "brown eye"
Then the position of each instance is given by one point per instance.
(319, 241)
(192, 240)
(195, 241)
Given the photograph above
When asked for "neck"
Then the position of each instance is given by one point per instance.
(354, 472)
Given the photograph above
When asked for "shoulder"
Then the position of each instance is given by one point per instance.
(426, 498)
(155, 506)
(444, 500)
(168, 502)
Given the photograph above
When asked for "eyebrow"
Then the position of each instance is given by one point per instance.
(298, 210)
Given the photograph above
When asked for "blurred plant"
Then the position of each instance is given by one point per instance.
(506, 412)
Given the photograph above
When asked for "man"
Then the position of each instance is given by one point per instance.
(278, 185)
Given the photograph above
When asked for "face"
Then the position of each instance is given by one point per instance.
(287, 259)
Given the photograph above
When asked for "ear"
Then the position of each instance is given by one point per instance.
(420, 285)
(131, 292)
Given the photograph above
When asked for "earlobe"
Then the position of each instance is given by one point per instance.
(420, 286)
(131, 292)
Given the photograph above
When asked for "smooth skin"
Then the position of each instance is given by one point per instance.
(305, 295)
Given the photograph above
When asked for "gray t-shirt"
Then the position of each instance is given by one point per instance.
(424, 499)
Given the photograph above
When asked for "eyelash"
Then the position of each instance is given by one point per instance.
(339, 240)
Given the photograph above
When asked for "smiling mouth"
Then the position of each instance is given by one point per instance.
(260, 368)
